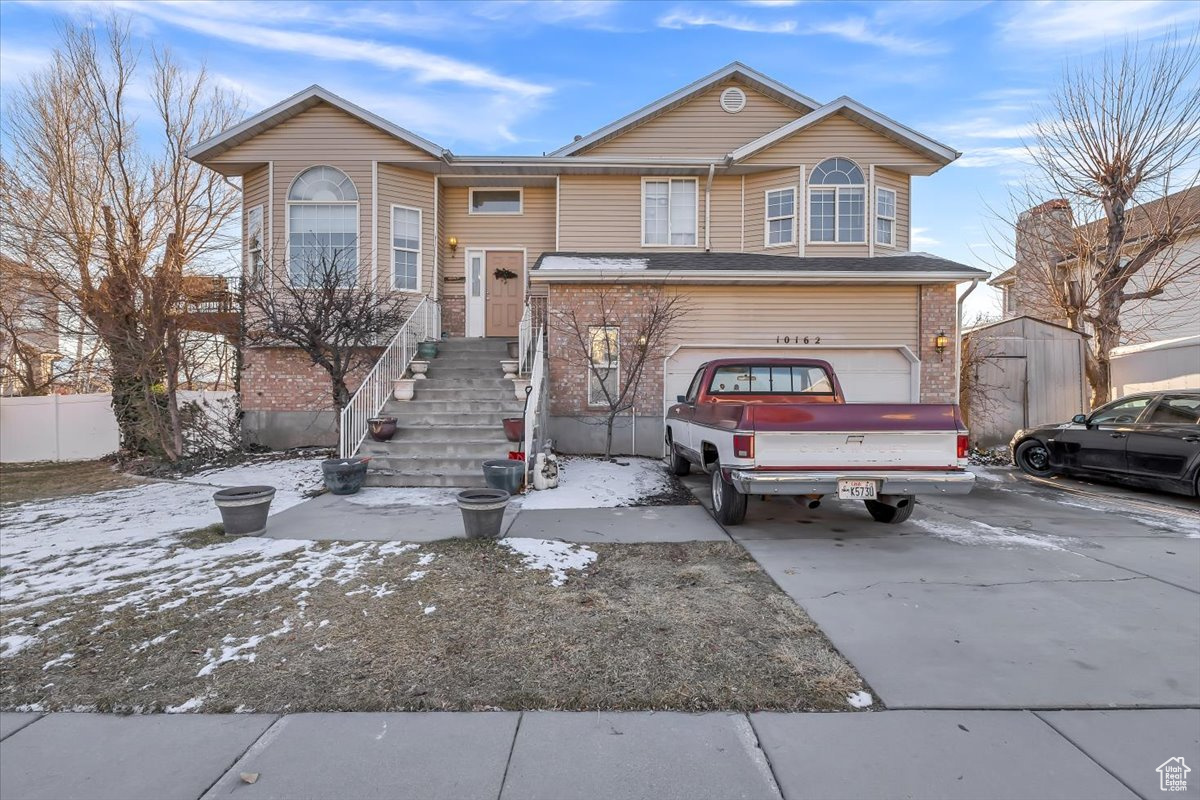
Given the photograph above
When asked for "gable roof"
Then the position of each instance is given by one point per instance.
(294, 105)
(751, 77)
(861, 114)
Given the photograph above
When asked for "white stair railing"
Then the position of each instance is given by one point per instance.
(524, 339)
(425, 322)
(535, 406)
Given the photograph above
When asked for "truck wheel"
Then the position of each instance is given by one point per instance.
(729, 505)
(679, 465)
(1033, 458)
(882, 512)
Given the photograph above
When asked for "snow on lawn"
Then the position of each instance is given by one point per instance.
(553, 556)
(595, 483)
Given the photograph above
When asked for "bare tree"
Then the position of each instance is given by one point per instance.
(112, 223)
(978, 397)
(339, 322)
(1116, 148)
(613, 334)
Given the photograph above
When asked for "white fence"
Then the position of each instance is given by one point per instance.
(75, 427)
(1158, 366)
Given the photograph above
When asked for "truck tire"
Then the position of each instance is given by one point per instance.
(882, 512)
(729, 505)
(679, 465)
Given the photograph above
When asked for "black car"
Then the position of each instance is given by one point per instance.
(1150, 439)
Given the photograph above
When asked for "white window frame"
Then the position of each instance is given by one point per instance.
(768, 219)
(696, 216)
(287, 222)
(615, 364)
(520, 201)
(252, 272)
(419, 251)
(879, 191)
(837, 191)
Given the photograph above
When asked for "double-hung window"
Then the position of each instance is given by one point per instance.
(669, 212)
(605, 365)
(885, 216)
(254, 242)
(837, 202)
(406, 248)
(781, 217)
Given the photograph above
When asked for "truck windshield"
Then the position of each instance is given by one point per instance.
(770, 379)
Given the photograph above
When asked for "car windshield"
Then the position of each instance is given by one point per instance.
(770, 379)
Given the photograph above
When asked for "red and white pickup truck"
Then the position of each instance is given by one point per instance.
(765, 426)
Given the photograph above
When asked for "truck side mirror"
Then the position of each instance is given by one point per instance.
(1080, 419)
(680, 398)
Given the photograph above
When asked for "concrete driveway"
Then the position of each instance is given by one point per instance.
(1019, 595)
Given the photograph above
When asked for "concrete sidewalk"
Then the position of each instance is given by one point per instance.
(609, 756)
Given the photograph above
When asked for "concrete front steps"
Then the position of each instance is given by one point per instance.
(453, 423)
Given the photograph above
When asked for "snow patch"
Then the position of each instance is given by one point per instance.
(860, 699)
(14, 643)
(551, 555)
(595, 483)
(980, 533)
(54, 662)
(188, 705)
(137, 648)
(387, 497)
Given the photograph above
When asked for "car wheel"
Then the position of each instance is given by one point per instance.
(729, 505)
(679, 465)
(1033, 458)
(882, 512)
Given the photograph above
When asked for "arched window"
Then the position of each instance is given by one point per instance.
(322, 227)
(837, 202)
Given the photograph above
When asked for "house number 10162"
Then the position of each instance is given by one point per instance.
(797, 340)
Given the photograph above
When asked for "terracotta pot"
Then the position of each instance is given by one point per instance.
(514, 428)
(382, 428)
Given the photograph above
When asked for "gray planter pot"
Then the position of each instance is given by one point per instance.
(244, 509)
(514, 349)
(504, 473)
(344, 475)
(482, 512)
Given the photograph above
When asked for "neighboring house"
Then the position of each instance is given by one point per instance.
(28, 331)
(785, 220)
(1045, 233)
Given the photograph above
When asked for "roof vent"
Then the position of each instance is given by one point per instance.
(733, 100)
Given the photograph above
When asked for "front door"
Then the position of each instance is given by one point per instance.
(505, 275)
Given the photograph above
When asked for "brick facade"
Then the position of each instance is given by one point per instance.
(939, 373)
(568, 378)
(284, 379)
(454, 316)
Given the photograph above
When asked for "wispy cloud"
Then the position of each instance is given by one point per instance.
(921, 240)
(1014, 157)
(862, 31)
(1053, 24)
(983, 127)
(696, 19)
(18, 62)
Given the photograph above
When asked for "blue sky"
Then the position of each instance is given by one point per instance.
(524, 77)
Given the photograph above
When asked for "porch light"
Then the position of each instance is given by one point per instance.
(940, 341)
(453, 242)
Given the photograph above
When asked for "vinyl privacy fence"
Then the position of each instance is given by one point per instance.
(75, 427)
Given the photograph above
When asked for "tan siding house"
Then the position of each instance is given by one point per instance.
(708, 192)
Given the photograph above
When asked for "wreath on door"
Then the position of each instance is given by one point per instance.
(503, 274)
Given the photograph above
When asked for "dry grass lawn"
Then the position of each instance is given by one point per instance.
(21, 483)
(673, 626)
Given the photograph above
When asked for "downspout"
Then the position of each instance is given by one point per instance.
(712, 170)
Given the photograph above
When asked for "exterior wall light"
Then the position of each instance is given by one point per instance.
(453, 242)
(940, 341)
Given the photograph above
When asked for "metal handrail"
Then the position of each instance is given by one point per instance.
(524, 337)
(535, 406)
(372, 394)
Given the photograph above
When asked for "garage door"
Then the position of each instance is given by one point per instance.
(867, 374)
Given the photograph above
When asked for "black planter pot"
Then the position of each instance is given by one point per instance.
(482, 512)
(244, 509)
(344, 475)
(382, 428)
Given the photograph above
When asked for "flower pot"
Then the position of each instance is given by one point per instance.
(520, 387)
(505, 473)
(244, 509)
(427, 349)
(382, 428)
(510, 367)
(514, 350)
(418, 368)
(482, 512)
(403, 388)
(344, 475)
(514, 428)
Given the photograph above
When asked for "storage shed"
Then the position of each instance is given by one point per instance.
(1019, 373)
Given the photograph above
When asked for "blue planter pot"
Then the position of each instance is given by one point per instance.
(344, 475)
(427, 350)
